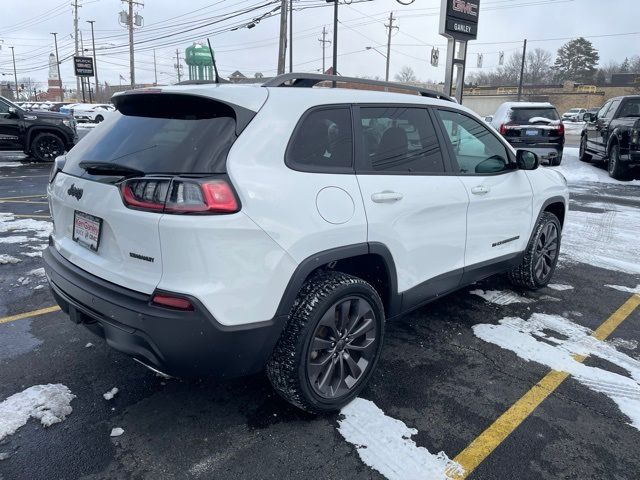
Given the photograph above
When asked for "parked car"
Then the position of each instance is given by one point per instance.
(574, 115)
(56, 106)
(612, 135)
(43, 135)
(195, 240)
(91, 112)
(532, 126)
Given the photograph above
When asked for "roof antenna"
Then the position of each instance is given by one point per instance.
(213, 59)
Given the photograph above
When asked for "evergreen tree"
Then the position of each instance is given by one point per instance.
(624, 68)
(576, 61)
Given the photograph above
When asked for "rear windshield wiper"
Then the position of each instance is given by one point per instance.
(109, 168)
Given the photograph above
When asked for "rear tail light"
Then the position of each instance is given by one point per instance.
(179, 195)
(172, 301)
(561, 129)
(503, 129)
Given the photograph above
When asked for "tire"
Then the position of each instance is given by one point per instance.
(45, 147)
(555, 162)
(99, 118)
(328, 378)
(584, 156)
(615, 167)
(537, 267)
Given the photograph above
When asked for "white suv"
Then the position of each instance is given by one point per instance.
(222, 229)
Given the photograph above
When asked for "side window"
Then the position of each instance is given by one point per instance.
(476, 149)
(612, 110)
(4, 107)
(399, 140)
(322, 141)
(602, 112)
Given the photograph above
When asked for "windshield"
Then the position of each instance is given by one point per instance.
(574, 110)
(11, 104)
(536, 114)
(170, 135)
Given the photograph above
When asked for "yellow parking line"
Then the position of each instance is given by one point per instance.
(492, 437)
(34, 313)
(22, 201)
(31, 216)
(23, 196)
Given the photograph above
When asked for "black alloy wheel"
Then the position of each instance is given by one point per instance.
(46, 147)
(342, 348)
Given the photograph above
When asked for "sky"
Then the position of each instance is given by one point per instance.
(170, 25)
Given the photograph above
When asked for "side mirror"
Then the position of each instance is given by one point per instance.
(13, 113)
(527, 160)
(488, 119)
(588, 117)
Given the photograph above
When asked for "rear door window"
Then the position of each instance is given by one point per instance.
(399, 140)
(527, 116)
(161, 133)
(322, 142)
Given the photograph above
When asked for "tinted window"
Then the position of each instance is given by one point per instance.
(323, 140)
(612, 110)
(399, 139)
(170, 134)
(524, 116)
(476, 149)
(4, 107)
(630, 108)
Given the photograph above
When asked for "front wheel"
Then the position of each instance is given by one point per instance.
(584, 156)
(541, 257)
(331, 343)
(45, 147)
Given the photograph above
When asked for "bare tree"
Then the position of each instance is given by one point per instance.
(406, 75)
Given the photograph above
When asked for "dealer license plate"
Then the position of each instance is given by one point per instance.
(86, 230)
(531, 133)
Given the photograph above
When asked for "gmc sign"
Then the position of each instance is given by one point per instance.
(459, 19)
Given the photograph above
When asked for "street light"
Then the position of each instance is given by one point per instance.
(386, 58)
(376, 50)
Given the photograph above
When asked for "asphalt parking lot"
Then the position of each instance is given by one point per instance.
(506, 384)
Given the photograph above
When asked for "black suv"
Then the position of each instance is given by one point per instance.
(43, 135)
(613, 135)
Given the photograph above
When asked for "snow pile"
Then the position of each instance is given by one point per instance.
(116, 432)
(576, 171)
(501, 297)
(559, 287)
(385, 444)
(608, 239)
(6, 259)
(553, 340)
(625, 289)
(48, 403)
(14, 239)
(111, 393)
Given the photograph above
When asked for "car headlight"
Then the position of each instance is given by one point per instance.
(69, 123)
(635, 136)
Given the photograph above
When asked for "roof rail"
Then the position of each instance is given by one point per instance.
(309, 80)
(202, 82)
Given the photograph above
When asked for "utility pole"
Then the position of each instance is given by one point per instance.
(282, 47)
(55, 39)
(335, 38)
(155, 68)
(178, 66)
(75, 38)
(390, 27)
(95, 62)
(15, 75)
(132, 70)
(290, 36)
(324, 42)
(524, 59)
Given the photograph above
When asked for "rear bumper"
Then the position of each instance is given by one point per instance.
(178, 343)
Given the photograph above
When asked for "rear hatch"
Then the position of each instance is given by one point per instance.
(109, 193)
(533, 125)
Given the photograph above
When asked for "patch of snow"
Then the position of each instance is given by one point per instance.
(32, 254)
(607, 239)
(4, 455)
(12, 164)
(38, 272)
(622, 343)
(525, 339)
(14, 239)
(576, 171)
(116, 432)
(23, 281)
(111, 393)
(38, 287)
(39, 247)
(549, 298)
(501, 297)
(42, 228)
(88, 345)
(559, 287)
(625, 289)
(48, 403)
(385, 444)
(7, 259)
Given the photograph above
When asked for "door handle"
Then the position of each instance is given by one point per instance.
(386, 197)
(480, 190)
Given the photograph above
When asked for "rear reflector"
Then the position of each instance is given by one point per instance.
(169, 301)
(179, 195)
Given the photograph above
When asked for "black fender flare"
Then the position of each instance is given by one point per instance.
(308, 265)
(33, 131)
(545, 204)
(618, 135)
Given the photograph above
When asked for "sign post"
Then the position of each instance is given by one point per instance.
(83, 67)
(459, 23)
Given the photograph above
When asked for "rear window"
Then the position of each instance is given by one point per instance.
(525, 115)
(160, 133)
